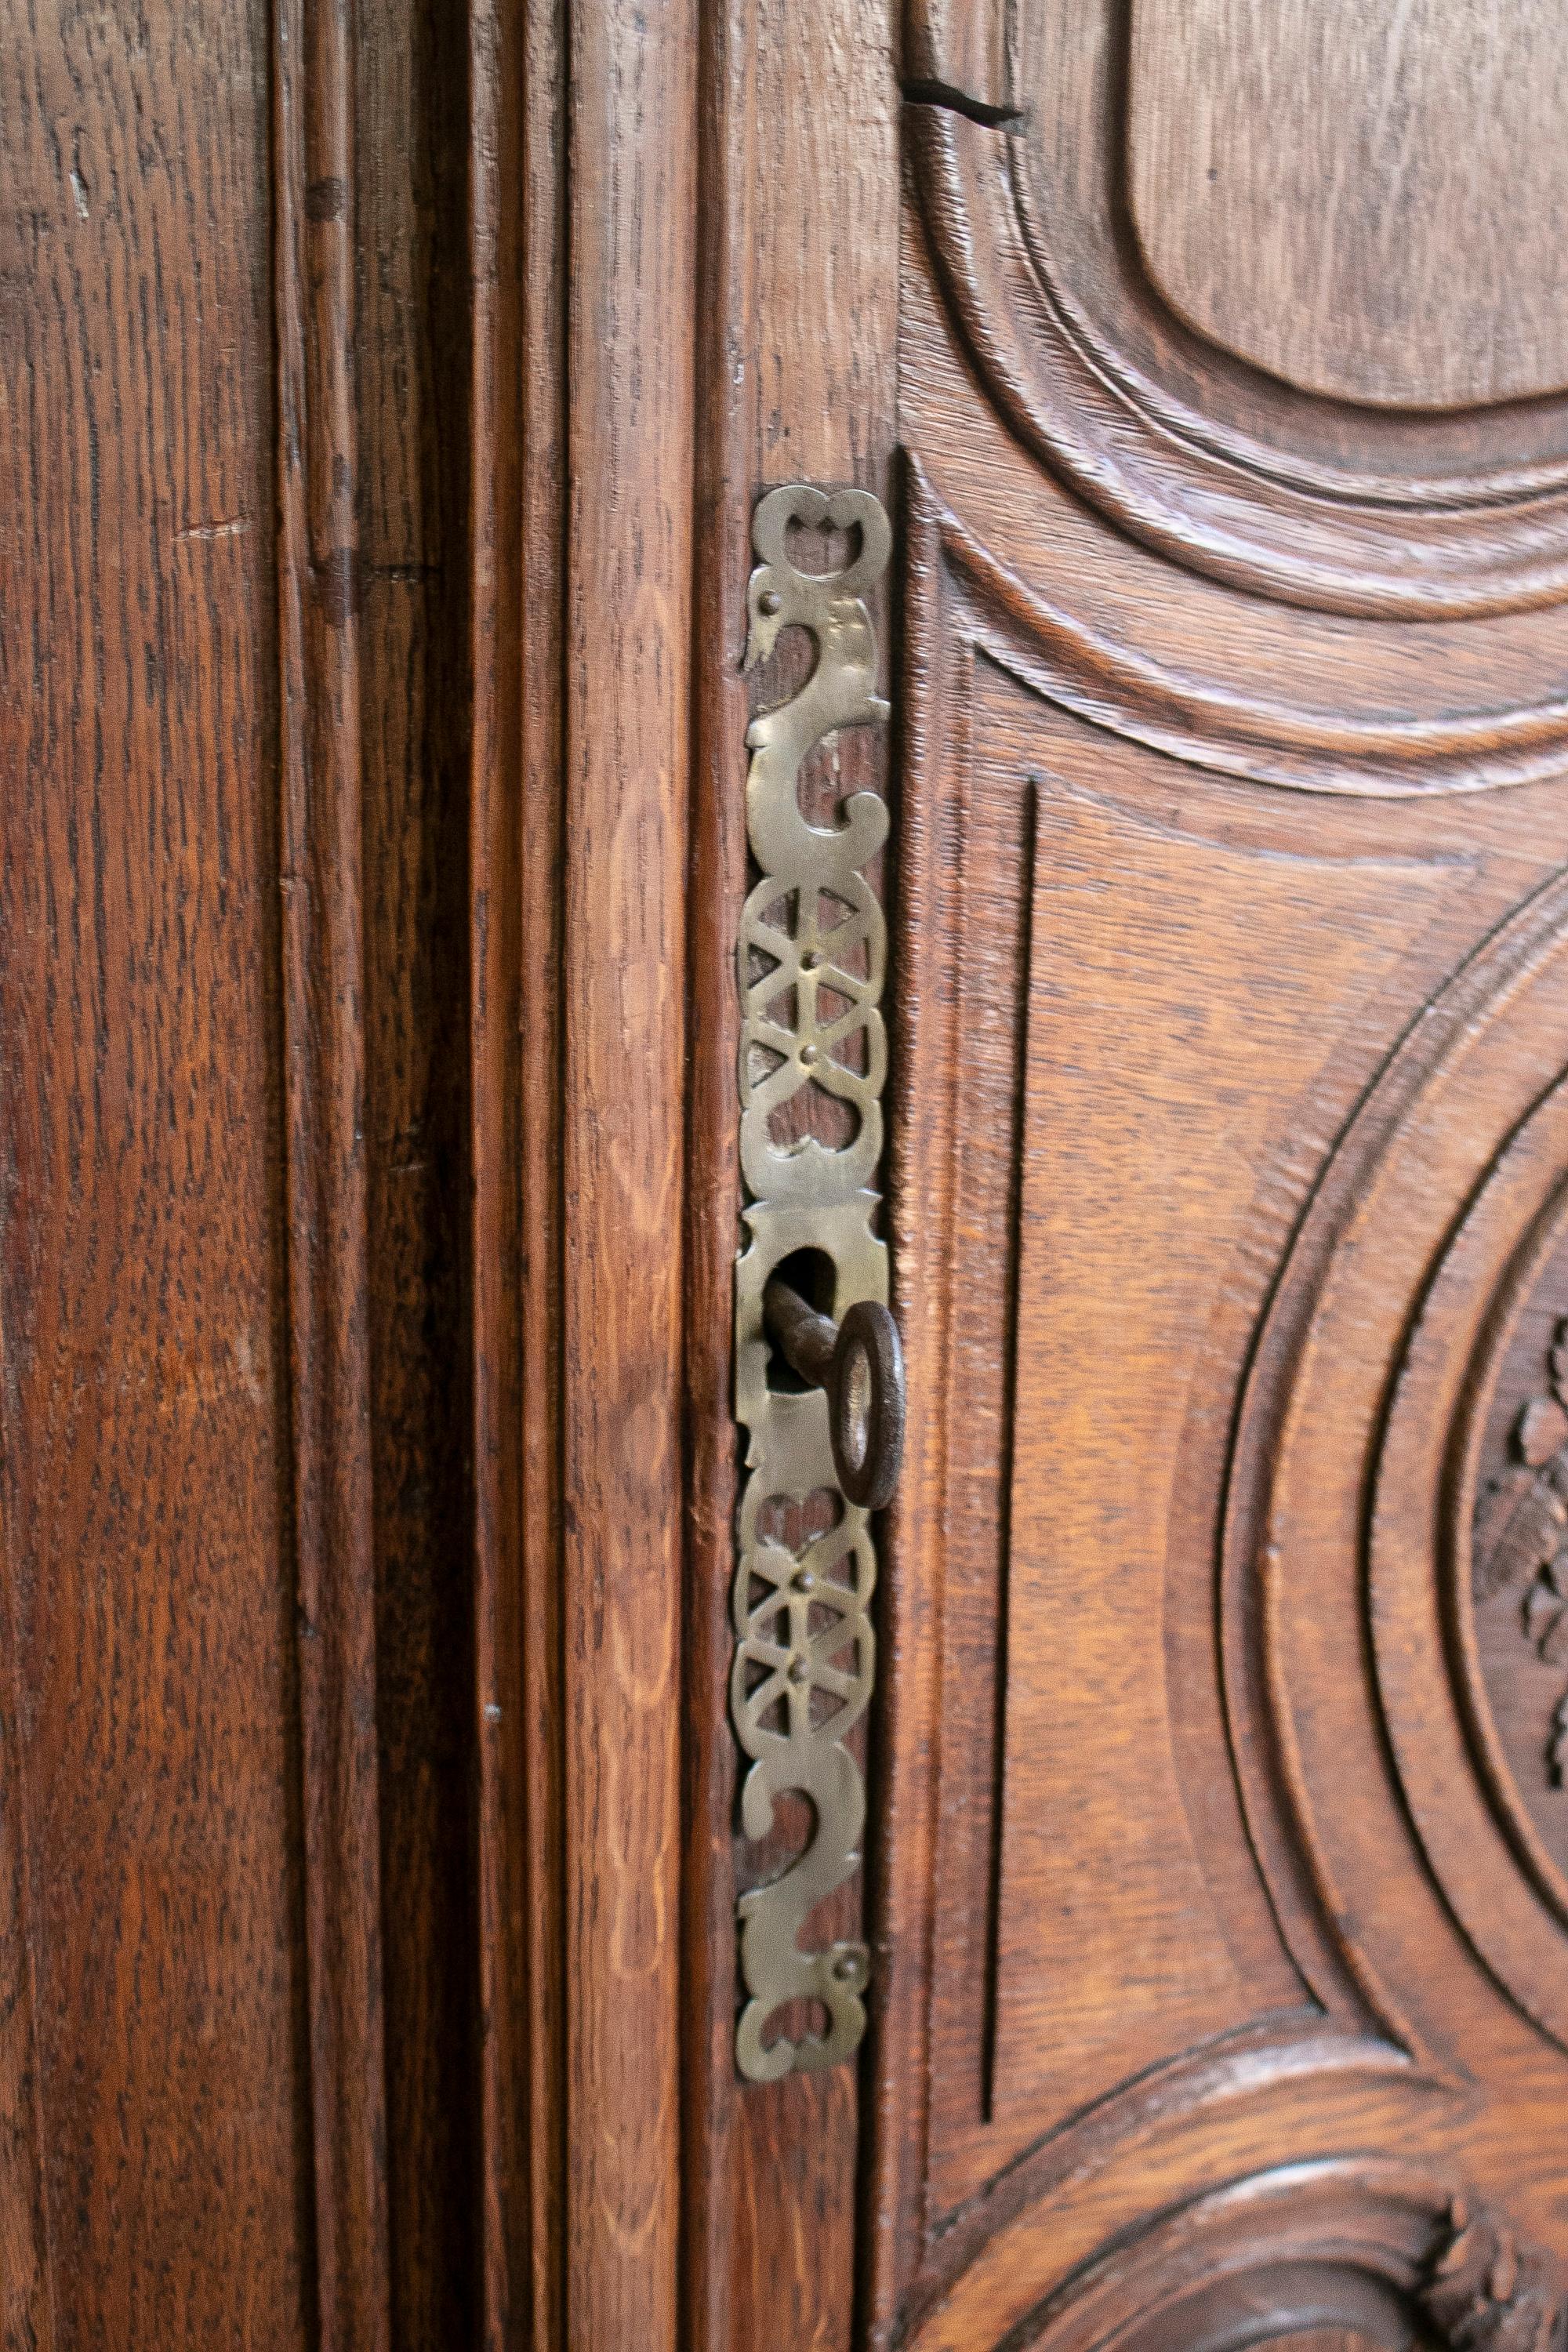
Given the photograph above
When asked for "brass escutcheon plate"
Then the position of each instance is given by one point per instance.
(812, 955)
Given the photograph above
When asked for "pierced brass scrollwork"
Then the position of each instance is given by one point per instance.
(812, 958)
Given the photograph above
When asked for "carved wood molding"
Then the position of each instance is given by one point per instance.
(959, 605)
(322, 842)
(1182, 472)
(1264, 741)
(1499, 1557)
(1484, 2290)
(580, 1046)
(1364, 2244)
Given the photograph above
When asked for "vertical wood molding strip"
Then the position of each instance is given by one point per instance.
(27, 2280)
(323, 987)
(514, 1143)
(630, 438)
(796, 381)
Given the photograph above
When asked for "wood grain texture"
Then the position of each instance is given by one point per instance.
(27, 2281)
(321, 849)
(796, 383)
(959, 51)
(1364, 201)
(545, 818)
(628, 455)
(149, 1749)
(385, 396)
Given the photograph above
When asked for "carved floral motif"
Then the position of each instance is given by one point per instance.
(1522, 1533)
(1483, 2292)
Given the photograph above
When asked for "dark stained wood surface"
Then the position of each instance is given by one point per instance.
(325, 1192)
(513, 1268)
(410, 354)
(180, 931)
(152, 1788)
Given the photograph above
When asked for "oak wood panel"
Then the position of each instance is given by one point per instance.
(1176, 868)
(149, 1578)
(1354, 911)
(1364, 201)
(1226, 469)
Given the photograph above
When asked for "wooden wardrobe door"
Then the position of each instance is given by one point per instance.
(1223, 1842)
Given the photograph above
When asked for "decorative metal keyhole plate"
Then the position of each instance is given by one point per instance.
(811, 957)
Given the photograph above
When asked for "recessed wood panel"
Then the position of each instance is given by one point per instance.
(1366, 201)
(1147, 975)
(1196, 967)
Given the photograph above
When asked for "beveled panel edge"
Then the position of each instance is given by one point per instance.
(1501, 1888)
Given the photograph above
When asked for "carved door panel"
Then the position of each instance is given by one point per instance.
(1222, 1851)
(1143, 875)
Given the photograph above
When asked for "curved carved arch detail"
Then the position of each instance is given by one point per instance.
(1204, 494)
(1252, 737)
(1366, 2243)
